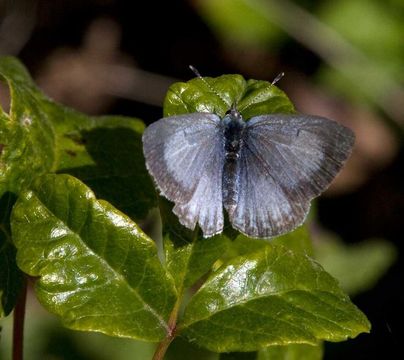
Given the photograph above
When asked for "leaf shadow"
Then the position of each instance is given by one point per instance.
(11, 277)
(119, 174)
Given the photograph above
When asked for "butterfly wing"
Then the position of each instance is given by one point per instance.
(285, 161)
(184, 154)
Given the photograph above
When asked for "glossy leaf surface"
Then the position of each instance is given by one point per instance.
(252, 97)
(27, 144)
(97, 270)
(40, 136)
(27, 139)
(188, 254)
(270, 297)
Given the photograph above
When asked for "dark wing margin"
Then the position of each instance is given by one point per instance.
(285, 162)
(184, 154)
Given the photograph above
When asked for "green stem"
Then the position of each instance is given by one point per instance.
(18, 326)
(162, 348)
(171, 333)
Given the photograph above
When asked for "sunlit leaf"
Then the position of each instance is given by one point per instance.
(270, 297)
(97, 270)
(27, 139)
(40, 136)
(252, 97)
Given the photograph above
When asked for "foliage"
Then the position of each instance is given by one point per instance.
(357, 267)
(70, 179)
(364, 62)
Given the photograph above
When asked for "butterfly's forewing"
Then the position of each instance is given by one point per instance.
(285, 161)
(184, 154)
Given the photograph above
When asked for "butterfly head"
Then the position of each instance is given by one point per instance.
(233, 114)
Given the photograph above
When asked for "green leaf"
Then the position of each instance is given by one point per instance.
(239, 356)
(40, 136)
(381, 73)
(27, 139)
(291, 352)
(188, 254)
(298, 241)
(11, 277)
(355, 20)
(97, 270)
(252, 97)
(357, 267)
(270, 297)
(180, 349)
(106, 154)
(237, 22)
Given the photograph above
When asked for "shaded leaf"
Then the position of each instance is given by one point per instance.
(291, 352)
(270, 297)
(106, 154)
(41, 136)
(97, 270)
(298, 241)
(239, 356)
(180, 349)
(357, 267)
(11, 277)
(188, 254)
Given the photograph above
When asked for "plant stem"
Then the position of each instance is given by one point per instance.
(171, 333)
(18, 326)
(162, 348)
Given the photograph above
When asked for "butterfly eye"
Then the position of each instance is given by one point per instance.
(233, 112)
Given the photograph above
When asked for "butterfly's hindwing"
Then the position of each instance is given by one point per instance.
(285, 161)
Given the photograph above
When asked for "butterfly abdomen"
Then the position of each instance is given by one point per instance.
(233, 128)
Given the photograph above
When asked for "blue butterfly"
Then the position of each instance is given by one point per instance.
(264, 172)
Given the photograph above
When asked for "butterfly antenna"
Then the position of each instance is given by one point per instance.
(198, 75)
(277, 78)
(274, 81)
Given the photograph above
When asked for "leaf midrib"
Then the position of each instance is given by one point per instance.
(277, 294)
(118, 275)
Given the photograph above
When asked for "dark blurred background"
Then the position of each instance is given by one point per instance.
(343, 59)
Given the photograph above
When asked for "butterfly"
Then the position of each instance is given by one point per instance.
(264, 172)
